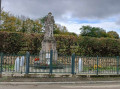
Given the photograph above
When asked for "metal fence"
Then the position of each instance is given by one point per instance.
(63, 65)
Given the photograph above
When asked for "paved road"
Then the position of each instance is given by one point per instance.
(62, 86)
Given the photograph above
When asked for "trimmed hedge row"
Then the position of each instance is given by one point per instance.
(10, 42)
(19, 43)
(99, 46)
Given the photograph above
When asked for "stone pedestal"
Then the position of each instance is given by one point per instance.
(47, 45)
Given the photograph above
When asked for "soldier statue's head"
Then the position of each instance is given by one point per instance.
(50, 13)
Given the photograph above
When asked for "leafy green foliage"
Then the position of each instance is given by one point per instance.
(10, 23)
(10, 43)
(33, 43)
(99, 46)
(19, 43)
(113, 34)
(93, 31)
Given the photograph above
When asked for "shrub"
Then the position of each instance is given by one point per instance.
(10, 43)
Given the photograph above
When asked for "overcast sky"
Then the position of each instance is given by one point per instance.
(71, 13)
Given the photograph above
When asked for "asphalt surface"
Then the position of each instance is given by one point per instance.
(62, 86)
(60, 83)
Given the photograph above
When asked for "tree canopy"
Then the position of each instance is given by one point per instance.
(113, 34)
(92, 31)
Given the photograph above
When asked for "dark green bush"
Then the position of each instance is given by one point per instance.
(10, 43)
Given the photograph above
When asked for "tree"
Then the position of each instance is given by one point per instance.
(56, 29)
(64, 29)
(59, 29)
(72, 33)
(10, 22)
(113, 34)
(23, 27)
(19, 24)
(92, 31)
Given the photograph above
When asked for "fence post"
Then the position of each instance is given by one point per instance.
(1, 63)
(73, 64)
(117, 65)
(97, 64)
(51, 57)
(27, 62)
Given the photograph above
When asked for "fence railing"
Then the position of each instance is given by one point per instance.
(64, 64)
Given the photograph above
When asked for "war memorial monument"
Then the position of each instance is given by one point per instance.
(49, 42)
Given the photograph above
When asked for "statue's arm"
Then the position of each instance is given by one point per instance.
(53, 20)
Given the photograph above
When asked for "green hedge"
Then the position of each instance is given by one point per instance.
(10, 42)
(19, 43)
(99, 46)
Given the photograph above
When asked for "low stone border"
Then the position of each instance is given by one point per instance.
(54, 75)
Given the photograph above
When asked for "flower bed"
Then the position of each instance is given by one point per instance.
(44, 65)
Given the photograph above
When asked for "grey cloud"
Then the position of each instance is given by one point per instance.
(99, 9)
(118, 22)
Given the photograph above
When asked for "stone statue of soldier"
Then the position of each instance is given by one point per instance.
(49, 25)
